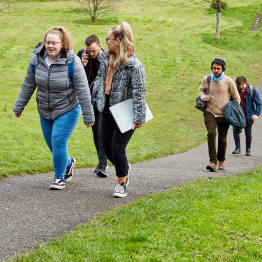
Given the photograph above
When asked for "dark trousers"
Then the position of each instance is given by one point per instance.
(96, 128)
(115, 144)
(212, 124)
(248, 133)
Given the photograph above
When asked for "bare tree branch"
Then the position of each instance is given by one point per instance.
(5, 6)
(96, 7)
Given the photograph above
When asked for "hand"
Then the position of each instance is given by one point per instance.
(89, 124)
(206, 98)
(85, 58)
(254, 117)
(136, 126)
(17, 115)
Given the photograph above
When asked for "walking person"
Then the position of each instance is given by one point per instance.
(251, 106)
(89, 58)
(221, 87)
(58, 97)
(121, 76)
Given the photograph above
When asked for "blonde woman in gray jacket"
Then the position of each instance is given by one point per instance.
(121, 76)
(59, 98)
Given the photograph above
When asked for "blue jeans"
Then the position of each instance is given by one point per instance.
(57, 133)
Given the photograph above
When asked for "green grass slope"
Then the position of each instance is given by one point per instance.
(175, 40)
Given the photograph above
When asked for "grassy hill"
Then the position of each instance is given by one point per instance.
(175, 40)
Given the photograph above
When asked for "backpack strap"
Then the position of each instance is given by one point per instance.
(208, 83)
(71, 71)
(251, 90)
(33, 68)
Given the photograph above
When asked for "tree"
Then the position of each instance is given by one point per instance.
(96, 7)
(218, 19)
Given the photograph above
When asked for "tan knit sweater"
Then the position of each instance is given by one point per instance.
(219, 94)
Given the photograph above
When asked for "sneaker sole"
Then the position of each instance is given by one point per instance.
(116, 195)
(101, 174)
(96, 170)
(57, 187)
(68, 179)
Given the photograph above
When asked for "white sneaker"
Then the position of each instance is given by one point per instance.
(58, 184)
(120, 190)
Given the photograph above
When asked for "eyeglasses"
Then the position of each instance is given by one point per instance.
(107, 38)
(53, 43)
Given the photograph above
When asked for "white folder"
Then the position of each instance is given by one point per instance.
(123, 115)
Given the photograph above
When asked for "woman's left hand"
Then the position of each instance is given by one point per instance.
(89, 124)
(136, 126)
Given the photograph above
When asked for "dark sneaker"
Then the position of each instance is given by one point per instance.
(248, 152)
(128, 177)
(120, 190)
(236, 151)
(101, 171)
(58, 184)
(70, 170)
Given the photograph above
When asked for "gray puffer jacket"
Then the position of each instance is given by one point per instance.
(55, 96)
(128, 82)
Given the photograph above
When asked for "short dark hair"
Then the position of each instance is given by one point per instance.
(219, 61)
(241, 79)
(92, 39)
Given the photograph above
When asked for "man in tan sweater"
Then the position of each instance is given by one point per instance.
(221, 87)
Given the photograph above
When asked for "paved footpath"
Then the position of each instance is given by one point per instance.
(31, 214)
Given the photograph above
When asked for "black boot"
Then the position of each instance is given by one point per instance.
(236, 151)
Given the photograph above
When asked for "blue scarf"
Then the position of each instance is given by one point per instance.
(217, 79)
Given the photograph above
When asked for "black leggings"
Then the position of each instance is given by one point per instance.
(248, 133)
(115, 142)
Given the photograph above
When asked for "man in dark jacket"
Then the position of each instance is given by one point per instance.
(251, 106)
(90, 62)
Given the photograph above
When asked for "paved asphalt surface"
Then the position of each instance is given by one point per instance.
(31, 214)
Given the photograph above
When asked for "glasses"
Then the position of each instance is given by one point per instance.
(107, 38)
(53, 43)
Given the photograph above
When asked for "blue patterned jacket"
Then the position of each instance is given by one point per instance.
(128, 82)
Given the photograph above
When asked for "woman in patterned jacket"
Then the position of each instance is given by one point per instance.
(121, 76)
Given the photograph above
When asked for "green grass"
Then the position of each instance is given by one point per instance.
(206, 220)
(175, 40)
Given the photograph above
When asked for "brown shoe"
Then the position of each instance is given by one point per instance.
(221, 165)
(212, 167)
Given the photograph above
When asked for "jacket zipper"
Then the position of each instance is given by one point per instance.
(48, 88)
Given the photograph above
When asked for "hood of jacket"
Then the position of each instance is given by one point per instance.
(104, 58)
(40, 53)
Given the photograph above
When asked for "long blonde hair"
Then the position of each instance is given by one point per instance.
(64, 35)
(123, 32)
